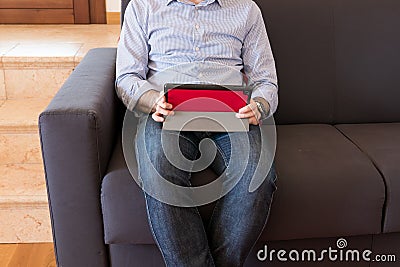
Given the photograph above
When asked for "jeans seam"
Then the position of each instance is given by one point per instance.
(215, 207)
(145, 196)
(226, 165)
(222, 154)
(137, 159)
(266, 220)
(152, 230)
(205, 234)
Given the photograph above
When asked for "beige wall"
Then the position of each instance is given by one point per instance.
(113, 5)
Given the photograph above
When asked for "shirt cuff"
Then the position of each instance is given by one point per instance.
(130, 90)
(270, 95)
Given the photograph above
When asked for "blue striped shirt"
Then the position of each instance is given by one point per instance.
(160, 34)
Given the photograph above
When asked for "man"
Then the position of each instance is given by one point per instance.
(159, 34)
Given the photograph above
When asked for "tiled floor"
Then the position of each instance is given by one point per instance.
(35, 60)
(93, 33)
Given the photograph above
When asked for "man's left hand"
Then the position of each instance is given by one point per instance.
(251, 112)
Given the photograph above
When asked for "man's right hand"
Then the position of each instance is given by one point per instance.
(161, 108)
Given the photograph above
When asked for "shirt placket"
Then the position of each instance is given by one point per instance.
(198, 33)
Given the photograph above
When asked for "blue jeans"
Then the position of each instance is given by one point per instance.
(238, 217)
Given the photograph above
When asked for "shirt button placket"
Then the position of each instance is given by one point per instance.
(197, 36)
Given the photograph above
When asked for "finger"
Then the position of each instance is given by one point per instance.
(248, 108)
(157, 117)
(253, 121)
(164, 105)
(245, 115)
(245, 109)
(163, 111)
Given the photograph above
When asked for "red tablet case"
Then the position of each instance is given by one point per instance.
(202, 100)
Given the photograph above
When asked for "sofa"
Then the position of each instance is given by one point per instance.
(338, 144)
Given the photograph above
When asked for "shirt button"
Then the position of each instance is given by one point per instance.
(197, 26)
(197, 48)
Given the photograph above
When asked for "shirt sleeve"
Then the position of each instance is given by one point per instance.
(258, 61)
(132, 57)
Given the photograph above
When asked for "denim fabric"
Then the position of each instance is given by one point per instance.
(238, 217)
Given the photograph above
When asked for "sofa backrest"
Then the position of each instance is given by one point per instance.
(124, 4)
(338, 61)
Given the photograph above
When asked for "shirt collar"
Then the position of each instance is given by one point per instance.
(220, 2)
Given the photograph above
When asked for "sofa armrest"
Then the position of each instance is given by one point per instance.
(77, 132)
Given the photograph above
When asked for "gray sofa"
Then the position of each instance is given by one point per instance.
(338, 151)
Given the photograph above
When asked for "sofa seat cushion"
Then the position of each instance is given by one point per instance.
(381, 142)
(326, 187)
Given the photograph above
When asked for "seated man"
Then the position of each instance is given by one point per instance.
(159, 34)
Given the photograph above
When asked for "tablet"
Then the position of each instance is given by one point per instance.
(206, 107)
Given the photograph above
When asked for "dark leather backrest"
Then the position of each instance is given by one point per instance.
(124, 4)
(338, 61)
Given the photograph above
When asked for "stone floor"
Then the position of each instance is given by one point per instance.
(35, 60)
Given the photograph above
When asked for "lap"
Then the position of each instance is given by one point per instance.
(161, 146)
